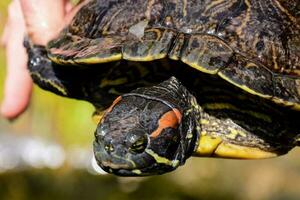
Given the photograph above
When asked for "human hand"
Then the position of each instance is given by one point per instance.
(41, 21)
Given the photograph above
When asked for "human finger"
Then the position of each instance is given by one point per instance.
(18, 84)
(43, 19)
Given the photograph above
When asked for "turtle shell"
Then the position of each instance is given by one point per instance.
(253, 44)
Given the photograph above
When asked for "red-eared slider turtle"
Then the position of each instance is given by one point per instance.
(213, 78)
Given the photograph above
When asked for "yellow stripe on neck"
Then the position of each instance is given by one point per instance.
(210, 146)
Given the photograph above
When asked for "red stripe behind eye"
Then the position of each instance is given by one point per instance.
(170, 119)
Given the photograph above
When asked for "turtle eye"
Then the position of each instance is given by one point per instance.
(139, 146)
(138, 143)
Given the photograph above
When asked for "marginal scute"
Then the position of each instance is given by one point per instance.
(206, 53)
(86, 51)
(176, 50)
(155, 44)
(249, 76)
(287, 91)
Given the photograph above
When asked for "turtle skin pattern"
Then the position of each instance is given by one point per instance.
(253, 44)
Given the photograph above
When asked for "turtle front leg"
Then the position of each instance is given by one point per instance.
(75, 82)
(42, 69)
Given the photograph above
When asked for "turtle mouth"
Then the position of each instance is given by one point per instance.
(155, 169)
(111, 160)
(112, 165)
(128, 165)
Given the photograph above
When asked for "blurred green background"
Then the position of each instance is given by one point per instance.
(66, 125)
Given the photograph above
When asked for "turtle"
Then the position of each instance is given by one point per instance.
(172, 79)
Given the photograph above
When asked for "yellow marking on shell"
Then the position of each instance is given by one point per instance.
(298, 84)
(293, 105)
(168, 20)
(215, 147)
(184, 9)
(148, 57)
(292, 18)
(176, 8)
(163, 160)
(244, 87)
(221, 106)
(235, 133)
(137, 171)
(274, 57)
(246, 19)
(61, 61)
(207, 145)
(107, 25)
(177, 47)
(62, 90)
(96, 60)
(216, 7)
(106, 82)
(297, 72)
(149, 9)
(256, 40)
(145, 58)
(157, 31)
(199, 67)
(174, 57)
(213, 3)
(250, 65)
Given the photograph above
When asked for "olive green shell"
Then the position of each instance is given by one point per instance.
(253, 44)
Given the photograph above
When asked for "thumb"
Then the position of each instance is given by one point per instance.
(43, 19)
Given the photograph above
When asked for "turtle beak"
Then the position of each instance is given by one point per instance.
(211, 146)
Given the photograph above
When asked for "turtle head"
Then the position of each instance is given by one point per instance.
(140, 136)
